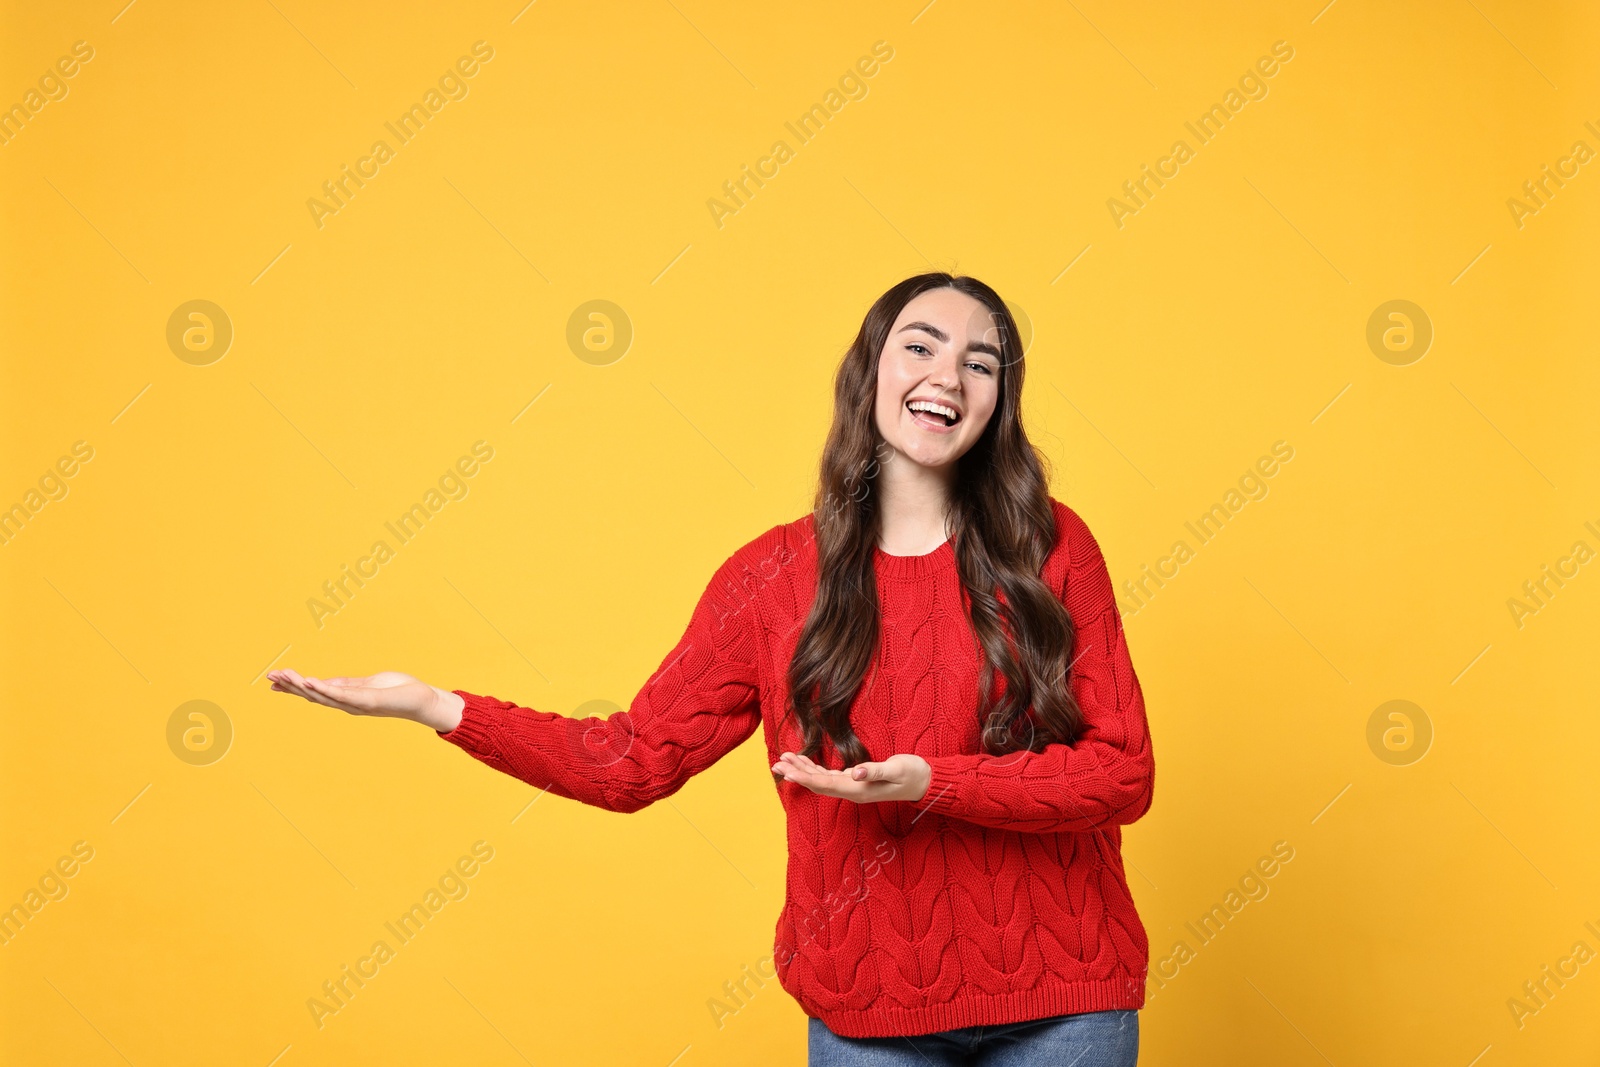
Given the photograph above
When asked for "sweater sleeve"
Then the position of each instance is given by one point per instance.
(1108, 775)
(701, 703)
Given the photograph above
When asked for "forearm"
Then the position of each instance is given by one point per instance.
(1105, 777)
(1061, 789)
(552, 752)
(621, 763)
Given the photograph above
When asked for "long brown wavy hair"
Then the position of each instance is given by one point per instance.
(1002, 528)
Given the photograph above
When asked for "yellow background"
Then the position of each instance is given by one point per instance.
(370, 353)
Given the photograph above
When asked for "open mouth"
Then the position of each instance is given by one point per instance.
(933, 415)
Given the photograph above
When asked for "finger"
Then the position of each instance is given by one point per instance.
(340, 696)
(363, 700)
(289, 682)
(797, 762)
(286, 682)
(309, 694)
(791, 771)
(807, 763)
(305, 688)
(828, 784)
(868, 772)
(301, 684)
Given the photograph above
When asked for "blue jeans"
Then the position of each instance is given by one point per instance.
(1088, 1039)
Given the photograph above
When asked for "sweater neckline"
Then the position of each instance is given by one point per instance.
(922, 566)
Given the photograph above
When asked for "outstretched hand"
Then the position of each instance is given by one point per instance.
(387, 693)
(902, 777)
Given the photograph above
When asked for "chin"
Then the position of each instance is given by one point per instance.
(938, 462)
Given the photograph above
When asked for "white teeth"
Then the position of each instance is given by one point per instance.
(928, 405)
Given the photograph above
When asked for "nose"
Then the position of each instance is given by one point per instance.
(943, 372)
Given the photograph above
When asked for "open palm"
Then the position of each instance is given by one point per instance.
(390, 694)
(900, 777)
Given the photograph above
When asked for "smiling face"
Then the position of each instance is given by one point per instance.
(943, 352)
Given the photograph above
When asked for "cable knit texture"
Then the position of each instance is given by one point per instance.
(998, 897)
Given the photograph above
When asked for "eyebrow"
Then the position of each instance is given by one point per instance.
(944, 338)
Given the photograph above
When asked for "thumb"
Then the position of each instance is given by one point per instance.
(868, 772)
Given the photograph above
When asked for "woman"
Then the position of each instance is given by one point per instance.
(937, 663)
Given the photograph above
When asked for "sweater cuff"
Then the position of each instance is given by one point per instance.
(473, 732)
(943, 795)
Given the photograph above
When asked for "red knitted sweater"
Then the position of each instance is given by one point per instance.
(999, 897)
